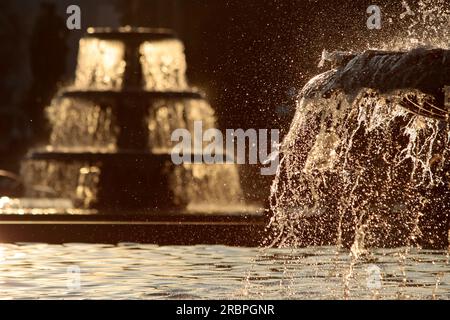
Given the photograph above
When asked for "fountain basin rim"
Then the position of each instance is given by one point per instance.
(132, 93)
(255, 214)
(138, 34)
(99, 156)
(93, 156)
(162, 229)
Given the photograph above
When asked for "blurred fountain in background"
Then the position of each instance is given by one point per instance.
(111, 132)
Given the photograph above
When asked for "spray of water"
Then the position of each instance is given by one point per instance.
(365, 163)
(429, 26)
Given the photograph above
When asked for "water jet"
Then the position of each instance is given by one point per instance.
(366, 160)
(109, 155)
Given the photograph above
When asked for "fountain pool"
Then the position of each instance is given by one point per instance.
(136, 271)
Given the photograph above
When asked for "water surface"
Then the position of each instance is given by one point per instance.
(135, 271)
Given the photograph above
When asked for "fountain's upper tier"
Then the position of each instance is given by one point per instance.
(131, 58)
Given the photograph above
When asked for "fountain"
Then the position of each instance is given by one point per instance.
(110, 144)
(366, 162)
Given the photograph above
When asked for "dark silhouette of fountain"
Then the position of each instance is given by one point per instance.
(111, 132)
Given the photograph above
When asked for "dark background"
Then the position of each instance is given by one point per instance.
(251, 57)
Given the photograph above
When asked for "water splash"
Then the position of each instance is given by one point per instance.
(358, 167)
(429, 26)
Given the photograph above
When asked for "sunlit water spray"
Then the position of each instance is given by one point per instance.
(366, 161)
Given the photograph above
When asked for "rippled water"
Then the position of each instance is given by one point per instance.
(135, 271)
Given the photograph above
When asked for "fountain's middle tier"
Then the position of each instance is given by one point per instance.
(108, 121)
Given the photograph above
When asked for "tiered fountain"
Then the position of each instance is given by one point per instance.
(110, 145)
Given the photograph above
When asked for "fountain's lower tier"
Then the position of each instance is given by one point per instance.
(131, 181)
(161, 229)
(129, 197)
